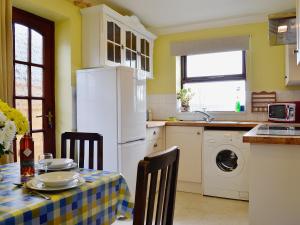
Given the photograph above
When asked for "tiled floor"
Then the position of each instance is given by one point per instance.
(194, 209)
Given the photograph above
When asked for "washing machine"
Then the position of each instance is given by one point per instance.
(225, 164)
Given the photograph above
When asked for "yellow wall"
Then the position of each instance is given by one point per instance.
(67, 54)
(265, 64)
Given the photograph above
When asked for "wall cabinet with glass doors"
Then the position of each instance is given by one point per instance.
(110, 39)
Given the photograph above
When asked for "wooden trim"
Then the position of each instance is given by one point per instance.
(214, 78)
(46, 28)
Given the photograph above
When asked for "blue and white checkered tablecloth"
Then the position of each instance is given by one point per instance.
(98, 202)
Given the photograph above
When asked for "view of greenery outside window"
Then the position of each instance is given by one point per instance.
(218, 80)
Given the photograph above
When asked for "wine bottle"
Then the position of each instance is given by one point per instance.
(27, 156)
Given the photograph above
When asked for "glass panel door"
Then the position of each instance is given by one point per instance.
(145, 55)
(33, 77)
(131, 50)
(114, 42)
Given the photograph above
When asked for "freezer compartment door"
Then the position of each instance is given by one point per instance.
(130, 155)
(131, 105)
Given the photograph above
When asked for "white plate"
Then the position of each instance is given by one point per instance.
(58, 163)
(35, 184)
(58, 179)
(68, 167)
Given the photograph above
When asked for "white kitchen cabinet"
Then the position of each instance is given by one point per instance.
(110, 39)
(155, 139)
(189, 141)
(292, 71)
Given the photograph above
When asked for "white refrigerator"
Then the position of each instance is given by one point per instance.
(112, 102)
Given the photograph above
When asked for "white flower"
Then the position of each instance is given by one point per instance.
(3, 119)
(9, 132)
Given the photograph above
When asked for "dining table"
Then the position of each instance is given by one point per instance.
(100, 200)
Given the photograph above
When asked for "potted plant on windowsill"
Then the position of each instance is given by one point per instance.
(185, 95)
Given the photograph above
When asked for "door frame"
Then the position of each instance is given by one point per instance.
(46, 27)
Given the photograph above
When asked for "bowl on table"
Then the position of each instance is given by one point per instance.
(58, 179)
(58, 163)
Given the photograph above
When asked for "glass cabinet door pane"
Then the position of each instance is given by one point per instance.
(147, 48)
(147, 64)
(36, 47)
(110, 51)
(128, 57)
(36, 81)
(21, 42)
(143, 66)
(21, 80)
(134, 62)
(143, 46)
(133, 42)
(128, 39)
(110, 31)
(37, 112)
(117, 34)
(117, 54)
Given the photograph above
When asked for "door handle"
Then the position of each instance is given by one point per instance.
(50, 118)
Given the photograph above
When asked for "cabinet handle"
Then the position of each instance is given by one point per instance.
(296, 51)
(154, 132)
(285, 77)
(198, 133)
(155, 145)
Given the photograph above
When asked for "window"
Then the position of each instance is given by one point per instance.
(217, 80)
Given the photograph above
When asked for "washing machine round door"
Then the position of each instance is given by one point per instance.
(228, 160)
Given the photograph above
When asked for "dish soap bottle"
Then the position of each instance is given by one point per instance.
(237, 103)
(27, 156)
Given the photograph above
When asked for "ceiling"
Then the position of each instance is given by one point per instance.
(158, 14)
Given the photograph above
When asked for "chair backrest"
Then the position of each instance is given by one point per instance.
(82, 138)
(167, 163)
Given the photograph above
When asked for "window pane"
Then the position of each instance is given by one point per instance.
(22, 106)
(21, 80)
(36, 47)
(36, 81)
(38, 139)
(21, 42)
(217, 96)
(37, 112)
(213, 64)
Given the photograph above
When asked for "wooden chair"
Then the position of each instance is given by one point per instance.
(73, 137)
(167, 163)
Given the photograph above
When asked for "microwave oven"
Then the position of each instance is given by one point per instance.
(286, 112)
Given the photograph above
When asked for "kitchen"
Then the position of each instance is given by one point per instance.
(219, 158)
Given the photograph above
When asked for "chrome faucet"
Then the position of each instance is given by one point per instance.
(207, 117)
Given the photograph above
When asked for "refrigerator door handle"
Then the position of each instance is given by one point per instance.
(127, 142)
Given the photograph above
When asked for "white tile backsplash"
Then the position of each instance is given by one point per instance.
(165, 105)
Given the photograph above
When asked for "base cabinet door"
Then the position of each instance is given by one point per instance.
(189, 141)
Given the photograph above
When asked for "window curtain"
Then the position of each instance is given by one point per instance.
(6, 58)
(204, 46)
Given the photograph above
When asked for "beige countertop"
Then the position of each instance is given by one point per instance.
(254, 138)
(150, 124)
(245, 124)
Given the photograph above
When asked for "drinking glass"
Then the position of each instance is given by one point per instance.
(45, 161)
